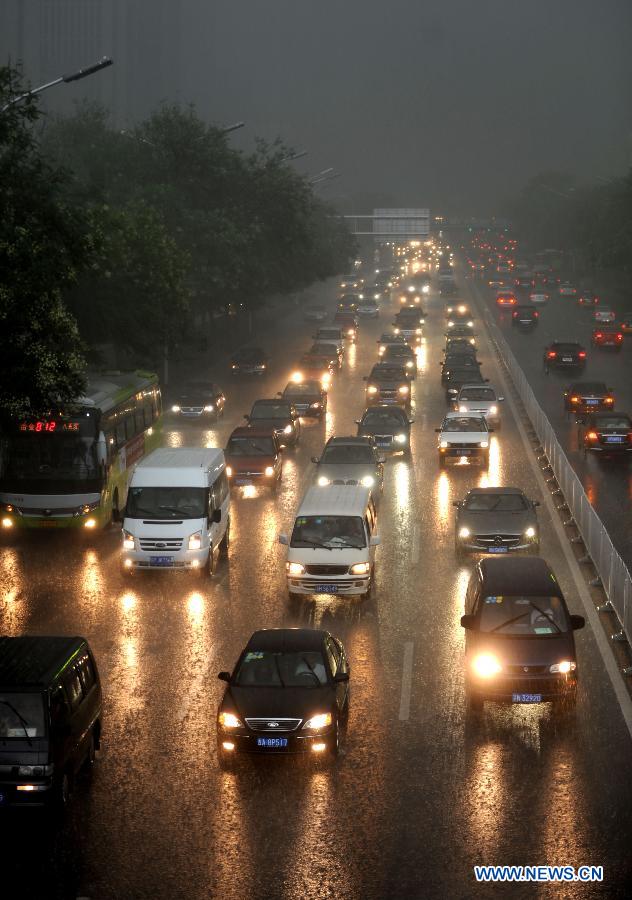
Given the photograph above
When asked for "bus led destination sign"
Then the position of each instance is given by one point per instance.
(48, 426)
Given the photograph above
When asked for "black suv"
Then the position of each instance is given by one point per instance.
(388, 383)
(389, 426)
(525, 317)
(564, 355)
(458, 361)
(401, 355)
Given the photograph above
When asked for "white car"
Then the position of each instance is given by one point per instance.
(330, 334)
(604, 314)
(538, 296)
(479, 400)
(463, 436)
(368, 307)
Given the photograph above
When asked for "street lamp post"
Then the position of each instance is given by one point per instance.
(63, 79)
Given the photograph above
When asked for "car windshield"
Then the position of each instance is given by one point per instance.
(496, 502)
(166, 503)
(249, 356)
(620, 422)
(302, 389)
(401, 350)
(388, 373)
(381, 418)
(350, 454)
(262, 668)
(523, 615)
(329, 334)
(270, 411)
(463, 424)
(21, 715)
(331, 532)
(255, 446)
(477, 394)
(323, 350)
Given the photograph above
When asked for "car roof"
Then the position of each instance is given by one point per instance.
(478, 385)
(286, 639)
(335, 499)
(29, 661)
(496, 490)
(350, 439)
(526, 575)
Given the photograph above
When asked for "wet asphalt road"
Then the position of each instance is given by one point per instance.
(607, 481)
(419, 796)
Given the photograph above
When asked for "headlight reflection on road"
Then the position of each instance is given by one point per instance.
(443, 499)
(195, 608)
(422, 357)
(493, 477)
(14, 612)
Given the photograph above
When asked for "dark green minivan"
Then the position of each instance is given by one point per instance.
(50, 717)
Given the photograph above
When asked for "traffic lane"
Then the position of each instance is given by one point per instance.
(611, 496)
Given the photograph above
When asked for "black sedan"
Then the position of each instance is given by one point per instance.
(249, 361)
(607, 433)
(389, 426)
(564, 355)
(288, 693)
(524, 318)
(279, 416)
(458, 361)
(457, 377)
(388, 383)
(583, 397)
(308, 397)
(496, 520)
(519, 643)
(199, 400)
(401, 355)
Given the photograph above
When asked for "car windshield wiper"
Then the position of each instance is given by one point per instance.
(311, 669)
(341, 542)
(278, 668)
(510, 621)
(21, 719)
(313, 543)
(547, 616)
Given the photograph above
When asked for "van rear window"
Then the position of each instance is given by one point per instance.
(21, 715)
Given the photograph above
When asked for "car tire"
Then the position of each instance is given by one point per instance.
(63, 791)
(91, 754)
(225, 542)
(334, 749)
(459, 552)
(209, 569)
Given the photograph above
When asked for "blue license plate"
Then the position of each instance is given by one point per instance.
(526, 698)
(613, 439)
(161, 560)
(242, 481)
(497, 549)
(592, 402)
(272, 742)
(463, 452)
(326, 589)
(383, 443)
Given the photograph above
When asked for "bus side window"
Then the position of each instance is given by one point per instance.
(72, 683)
(148, 414)
(212, 505)
(120, 431)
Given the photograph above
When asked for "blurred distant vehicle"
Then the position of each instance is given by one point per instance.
(368, 308)
(328, 349)
(401, 355)
(461, 330)
(253, 456)
(349, 324)
(351, 282)
(524, 282)
(389, 426)
(249, 361)
(496, 281)
(458, 318)
(607, 432)
(278, 416)
(388, 338)
(408, 323)
(457, 377)
(330, 334)
(626, 322)
(349, 302)
(387, 383)
(199, 400)
(604, 314)
(566, 289)
(525, 318)
(460, 345)
(587, 299)
(308, 397)
(608, 338)
(564, 355)
(314, 368)
(506, 298)
(453, 309)
(538, 295)
(316, 313)
(583, 397)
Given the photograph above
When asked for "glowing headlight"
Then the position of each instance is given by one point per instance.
(294, 568)
(297, 377)
(362, 568)
(462, 408)
(128, 541)
(229, 720)
(486, 666)
(315, 405)
(371, 389)
(350, 332)
(443, 444)
(450, 324)
(409, 364)
(323, 481)
(530, 532)
(403, 389)
(269, 471)
(426, 289)
(229, 471)
(563, 667)
(464, 532)
(470, 324)
(396, 330)
(472, 341)
(493, 410)
(209, 408)
(90, 523)
(7, 522)
(175, 408)
(462, 309)
(484, 444)
(400, 438)
(287, 429)
(195, 541)
(367, 481)
(411, 289)
(382, 348)
(322, 720)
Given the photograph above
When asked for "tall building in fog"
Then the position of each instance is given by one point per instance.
(50, 37)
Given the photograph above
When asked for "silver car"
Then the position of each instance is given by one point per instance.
(496, 520)
(350, 460)
(480, 400)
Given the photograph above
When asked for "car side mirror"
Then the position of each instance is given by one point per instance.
(315, 459)
(224, 676)
(365, 378)
(358, 421)
(375, 540)
(456, 503)
(468, 622)
(341, 676)
(217, 516)
(501, 399)
(490, 430)
(279, 393)
(486, 380)
(283, 539)
(411, 421)
(577, 622)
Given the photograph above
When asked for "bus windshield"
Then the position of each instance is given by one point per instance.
(49, 463)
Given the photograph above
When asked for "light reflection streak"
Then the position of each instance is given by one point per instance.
(493, 476)
(561, 801)
(13, 612)
(443, 498)
(174, 439)
(486, 794)
(422, 357)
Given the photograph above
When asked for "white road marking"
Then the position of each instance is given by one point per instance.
(407, 682)
(620, 690)
(414, 553)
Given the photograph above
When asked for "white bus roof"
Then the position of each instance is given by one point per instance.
(335, 500)
(107, 389)
(178, 467)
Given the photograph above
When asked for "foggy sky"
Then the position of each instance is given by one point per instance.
(448, 103)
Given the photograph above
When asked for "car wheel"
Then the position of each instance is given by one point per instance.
(91, 754)
(225, 542)
(63, 796)
(210, 563)
(334, 748)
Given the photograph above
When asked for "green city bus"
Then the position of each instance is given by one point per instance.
(69, 469)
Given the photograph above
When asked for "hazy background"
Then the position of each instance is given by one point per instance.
(446, 103)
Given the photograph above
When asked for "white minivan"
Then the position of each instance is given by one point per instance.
(332, 546)
(177, 514)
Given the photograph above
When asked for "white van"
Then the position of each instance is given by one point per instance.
(177, 514)
(332, 546)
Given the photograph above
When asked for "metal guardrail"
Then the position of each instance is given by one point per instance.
(611, 569)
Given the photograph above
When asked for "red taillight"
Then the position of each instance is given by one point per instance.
(582, 354)
(515, 314)
(609, 400)
(574, 399)
(619, 337)
(598, 336)
(592, 436)
(536, 314)
(551, 354)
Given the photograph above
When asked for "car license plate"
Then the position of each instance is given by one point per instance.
(592, 402)
(48, 523)
(161, 560)
(463, 452)
(326, 589)
(613, 439)
(526, 698)
(271, 742)
(497, 549)
(242, 481)
(567, 359)
(383, 443)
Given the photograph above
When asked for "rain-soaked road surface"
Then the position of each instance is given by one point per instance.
(418, 797)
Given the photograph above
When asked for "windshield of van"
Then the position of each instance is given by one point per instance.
(21, 715)
(525, 616)
(330, 532)
(262, 668)
(167, 503)
(255, 446)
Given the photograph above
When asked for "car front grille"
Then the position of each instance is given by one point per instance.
(172, 544)
(191, 410)
(531, 670)
(326, 570)
(265, 724)
(464, 446)
(498, 540)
